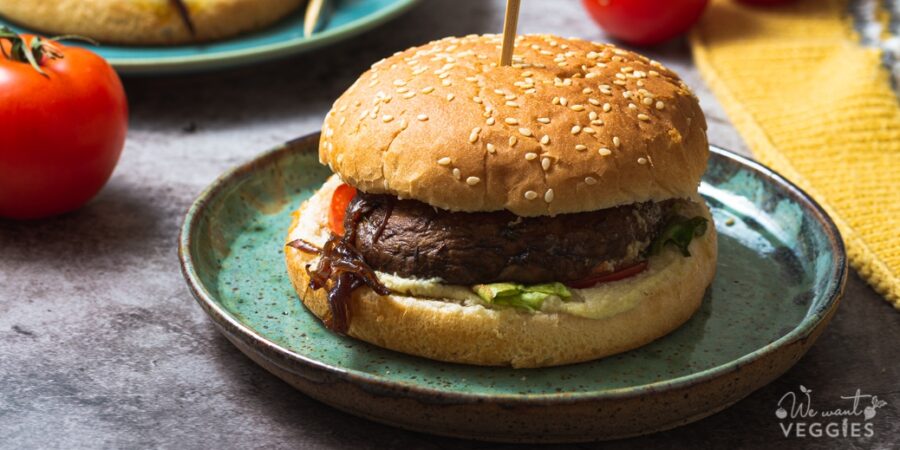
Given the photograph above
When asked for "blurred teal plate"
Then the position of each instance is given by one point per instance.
(350, 18)
(781, 274)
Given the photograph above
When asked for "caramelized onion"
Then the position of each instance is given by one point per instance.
(341, 269)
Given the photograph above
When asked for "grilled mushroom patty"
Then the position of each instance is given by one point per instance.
(415, 240)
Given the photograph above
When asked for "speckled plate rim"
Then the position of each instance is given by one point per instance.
(265, 52)
(223, 318)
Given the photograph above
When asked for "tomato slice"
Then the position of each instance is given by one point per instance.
(620, 274)
(340, 200)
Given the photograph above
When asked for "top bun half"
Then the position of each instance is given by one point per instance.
(571, 126)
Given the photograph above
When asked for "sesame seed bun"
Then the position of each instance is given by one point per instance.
(571, 126)
(155, 22)
(667, 294)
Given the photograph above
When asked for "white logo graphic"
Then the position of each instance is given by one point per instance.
(798, 418)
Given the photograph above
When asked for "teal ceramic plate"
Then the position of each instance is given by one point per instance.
(780, 277)
(350, 18)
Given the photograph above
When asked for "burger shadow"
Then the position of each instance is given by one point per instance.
(304, 419)
(302, 86)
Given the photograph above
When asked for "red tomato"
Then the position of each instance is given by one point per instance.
(338, 209)
(645, 22)
(61, 134)
(620, 274)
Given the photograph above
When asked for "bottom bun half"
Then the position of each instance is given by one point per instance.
(661, 300)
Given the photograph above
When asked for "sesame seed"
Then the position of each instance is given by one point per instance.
(580, 147)
(525, 132)
(607, 107)
(399, 83)
(619, 82)
(548, 196)
(563, 101)
(473, 137)
(604, 151)
(446, 83)
(472, 181)
(545, 140)
(588, 130)
(653, 73)
(490, 121)
(594, 101)
(632, 106)
(387, 118)
(510, 96)
(403, 124)
(577, 107)
(555, 100)
(598, 122)
(587, 90)
(450, 97)
(491, 149)
(544, 120)
(457, 173)
(511, 120)
(647, 101)
(512, 104)
(643, 117)
(409, 95)
(590, 181)
(626, 94)
(642, 160)
(512, 141)
(576, 129)
(660, 105)
(422, 117)
(616, 141)
(530, 195)
(476, 99)
(531, 156)
(592, 115)
(545, 164)
(445, 161)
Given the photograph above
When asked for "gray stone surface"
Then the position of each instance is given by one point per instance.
(102, 346)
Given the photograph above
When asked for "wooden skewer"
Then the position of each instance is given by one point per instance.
(509, 31)
(312, 17)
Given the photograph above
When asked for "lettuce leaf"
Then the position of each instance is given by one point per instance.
(679, 231)
(519, 295)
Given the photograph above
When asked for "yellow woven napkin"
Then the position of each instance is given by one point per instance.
(817, 105)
